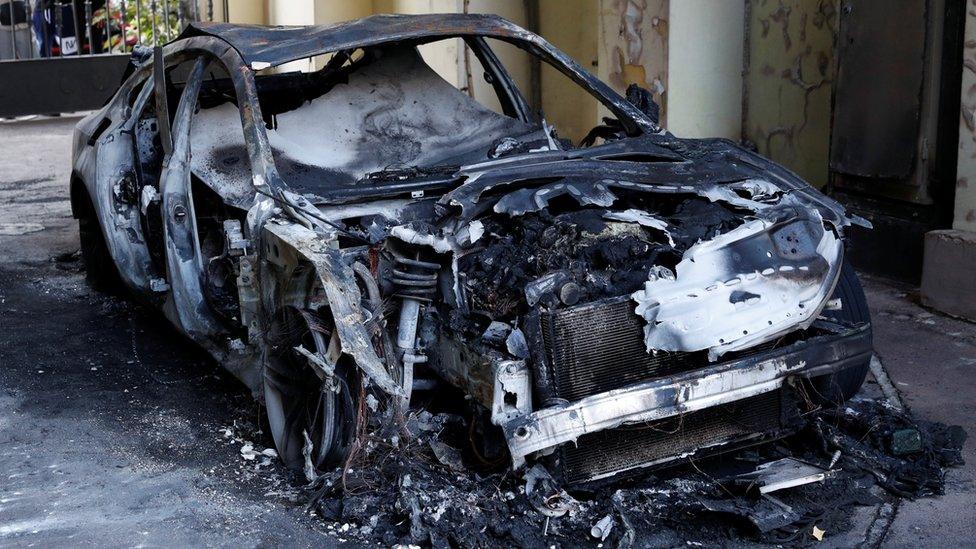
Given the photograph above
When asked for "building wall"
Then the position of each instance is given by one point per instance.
(571, 26)
(633, 47)
(789, 75)
(965, 206)
(253, 12)
(331, 11)
(290, 12)
(688, 53)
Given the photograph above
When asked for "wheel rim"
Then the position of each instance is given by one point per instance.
(298, 403)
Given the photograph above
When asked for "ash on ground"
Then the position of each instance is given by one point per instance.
(431, 487)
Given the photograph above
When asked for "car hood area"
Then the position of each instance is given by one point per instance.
(576, 293)
(714, 252)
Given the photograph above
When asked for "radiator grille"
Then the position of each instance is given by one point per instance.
(599, 346)
(607, 452)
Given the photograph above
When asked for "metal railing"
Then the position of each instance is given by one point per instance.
(69, 55)
(31, 29)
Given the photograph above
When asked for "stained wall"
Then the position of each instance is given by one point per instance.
(789, 68)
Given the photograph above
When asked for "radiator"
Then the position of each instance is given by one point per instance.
(599, 346)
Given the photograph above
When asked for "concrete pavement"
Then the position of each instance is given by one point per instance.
(931, 358)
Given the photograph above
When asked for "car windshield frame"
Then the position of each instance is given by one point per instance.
(225, 43)
(264, 47)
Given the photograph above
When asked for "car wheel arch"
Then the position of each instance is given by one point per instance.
(283, 389)
(80, 199)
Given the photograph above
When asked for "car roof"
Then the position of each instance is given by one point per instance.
(262, 45)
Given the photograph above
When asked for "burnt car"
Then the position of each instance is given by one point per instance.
(344, 239)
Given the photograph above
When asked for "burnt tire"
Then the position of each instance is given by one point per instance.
(834, 389)
(297, 402)
(100, 270)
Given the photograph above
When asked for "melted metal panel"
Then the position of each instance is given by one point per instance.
(339, 282)
(762, 279)
(395, 112)
(879, 88)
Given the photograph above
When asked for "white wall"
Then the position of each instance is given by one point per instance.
(705, 68)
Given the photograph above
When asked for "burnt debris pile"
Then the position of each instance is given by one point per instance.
(434, 487)
(558, 257)
(581, 257)
(906, 457)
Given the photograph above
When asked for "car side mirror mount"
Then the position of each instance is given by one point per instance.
(643, 99)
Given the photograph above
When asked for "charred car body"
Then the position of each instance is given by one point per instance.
(341, 237)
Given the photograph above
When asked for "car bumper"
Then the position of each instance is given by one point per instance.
(840, 347)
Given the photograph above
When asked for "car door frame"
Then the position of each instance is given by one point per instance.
(185, 304)
(182, 298)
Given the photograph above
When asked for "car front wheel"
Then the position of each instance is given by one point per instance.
(312, 421)
(836, 388)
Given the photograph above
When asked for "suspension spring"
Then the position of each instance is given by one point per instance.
(415, 279)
